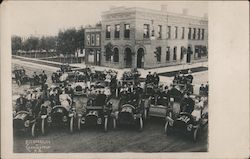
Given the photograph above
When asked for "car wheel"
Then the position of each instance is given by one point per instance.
(145, 113)
(43, 126)
(105, 124)
(71, 124)
(195, 134)
(141, 124)
(79, 124)
(166, 128)
(33, 130)
(114, 123)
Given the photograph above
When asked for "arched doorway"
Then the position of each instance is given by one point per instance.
(128, 57)
(140, 58)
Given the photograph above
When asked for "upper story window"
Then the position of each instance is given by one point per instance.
(189, 33)
(183, 33)
(174, 55)
(108, 30)
(126, 31)
(202, 34)
(146, 31)
(159, 31)
(117, 31)
(92, 39)
(169, 32)
(97, 39)
(88, 40)
(194, 34)
(199, 34)
(176, 32)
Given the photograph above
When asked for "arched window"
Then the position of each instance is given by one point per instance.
(116, 55)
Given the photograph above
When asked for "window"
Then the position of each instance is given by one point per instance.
(175, 56)
(189, 33)
(202, 34)
(88, 40)
(159, 31)
(194, 34)
(182, 52)
(183, 33)
(117, 31)
(126, 31)
(168, 54)
(199, 34)
(116, 55)
(92, 39)
(108, 55)
(158, 54)
(168, 32)
(108, 29)
(176, 32)
(146, 31)
(97, 40)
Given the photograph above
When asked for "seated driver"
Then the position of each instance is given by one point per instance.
(65, 100)
(21, 103)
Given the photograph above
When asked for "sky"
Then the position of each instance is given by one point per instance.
(48, 17)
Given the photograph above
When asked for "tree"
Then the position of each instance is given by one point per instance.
(16, 44)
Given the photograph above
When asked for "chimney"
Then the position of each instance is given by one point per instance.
(185, 11)
(164, 8)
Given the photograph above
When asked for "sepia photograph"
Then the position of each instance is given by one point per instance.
(124, 79)
(100, 77)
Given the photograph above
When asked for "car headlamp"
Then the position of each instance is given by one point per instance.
(27, 123)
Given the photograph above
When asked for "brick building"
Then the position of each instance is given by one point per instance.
(93, 45)
(146, 38)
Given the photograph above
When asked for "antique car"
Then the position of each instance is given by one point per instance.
(97, 113)
(59, 116)
(101, 87)
(129, 114)
(20, 76)
(157, 106)
(23, 121)
(186, 124)
(80, 88)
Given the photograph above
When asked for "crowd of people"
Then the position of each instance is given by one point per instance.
(127, 92)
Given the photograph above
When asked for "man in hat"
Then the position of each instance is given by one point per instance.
(189, 77)
(156, 79)
(149, 78)
(21, 103)
(187, 104)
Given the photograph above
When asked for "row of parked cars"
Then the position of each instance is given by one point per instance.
(101, 111)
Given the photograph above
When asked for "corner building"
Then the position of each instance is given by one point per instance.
(146, 38)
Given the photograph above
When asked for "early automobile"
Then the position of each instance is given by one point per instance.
(157, 106)
(129, 114)
(186, 124)
(20, 76)
(59, 116)
(24, 122)
(97, 113)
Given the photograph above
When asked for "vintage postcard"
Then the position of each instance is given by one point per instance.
(107, 79)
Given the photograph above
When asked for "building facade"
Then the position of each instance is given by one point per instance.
(145, 38)
(93, 45)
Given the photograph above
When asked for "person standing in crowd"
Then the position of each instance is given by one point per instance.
(65, 100)
(35, 79)
(175, 93)
(177, 78)
(69, 90)
(206, 89)
(202, 90)
(156, 79)
(148, 78)
(189, 77)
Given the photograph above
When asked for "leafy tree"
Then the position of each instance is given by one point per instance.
(16, 44)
